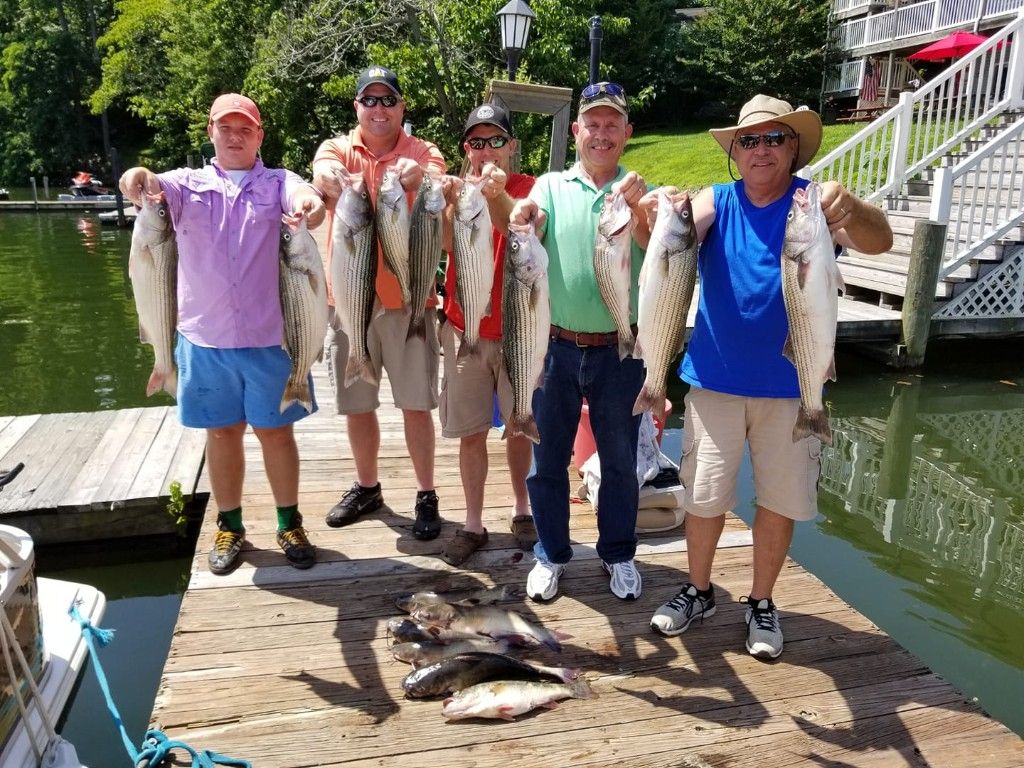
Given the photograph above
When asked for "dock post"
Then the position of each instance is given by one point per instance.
(46, 187)
(115, 168)
(925, 260)
(35, 197)
(898, 449)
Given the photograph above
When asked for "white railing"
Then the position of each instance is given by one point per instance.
(987, 189)
(919, 19)
(842, 6)
(932, 121)
(849, 76)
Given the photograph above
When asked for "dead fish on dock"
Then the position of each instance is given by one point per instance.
(505, 699)
(404, 630)
(467, 669)
(409, 601)
(425, 652)
(498, 623)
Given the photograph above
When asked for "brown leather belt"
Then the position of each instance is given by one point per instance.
(583, 339)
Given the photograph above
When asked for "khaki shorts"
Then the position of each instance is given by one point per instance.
(715, 428)
(469, 384)
(411, 364)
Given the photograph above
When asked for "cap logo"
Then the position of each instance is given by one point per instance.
(377, 72)
(485, 112)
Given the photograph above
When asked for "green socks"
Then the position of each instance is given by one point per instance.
(286, 517)
(233, 519)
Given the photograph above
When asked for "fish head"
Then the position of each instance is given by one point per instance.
(438, 614)
(354, 207)
(298, 248)
(391, 192)
(616, 217)
(524, 254)
(154, 219)
(470, 203)
(803, 221)
(432, 192)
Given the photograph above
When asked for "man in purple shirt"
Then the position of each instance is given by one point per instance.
(232, 367)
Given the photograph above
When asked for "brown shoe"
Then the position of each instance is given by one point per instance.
(524, 531)
(459, 547)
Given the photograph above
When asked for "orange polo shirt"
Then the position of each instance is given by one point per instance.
(352, 153)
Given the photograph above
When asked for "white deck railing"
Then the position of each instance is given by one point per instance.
(849, 76)
(919, 19)
(841, 6)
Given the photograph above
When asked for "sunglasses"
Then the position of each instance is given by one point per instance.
(372, 101)
(594, 90)
(494, 142)
(749, 141)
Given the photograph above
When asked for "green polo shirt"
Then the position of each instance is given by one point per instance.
(573, 206)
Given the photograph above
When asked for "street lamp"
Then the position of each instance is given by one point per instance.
(515, 19)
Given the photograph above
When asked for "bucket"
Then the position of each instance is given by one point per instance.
(19, 597)
(583, 447)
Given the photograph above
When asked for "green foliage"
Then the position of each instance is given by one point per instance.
(176, 507)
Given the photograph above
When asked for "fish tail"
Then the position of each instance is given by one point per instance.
(626, 345)
(162, 378)
(417, 327)
(815, 423)
(524, 425)
(467, 349)
(581, 689)
(357, 369)
(297, 391)
(649, 400)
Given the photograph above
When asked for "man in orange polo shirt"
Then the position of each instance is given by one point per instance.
(375, 144)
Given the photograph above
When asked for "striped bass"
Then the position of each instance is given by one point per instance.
(304, 306)
(667, 278)
(153, 270)
(393, 221)
(613, 266)
(425, 245)
(525, 324)
(506, 699)
(354, 273)
(473, 246)
(460, 671)
(811, 284)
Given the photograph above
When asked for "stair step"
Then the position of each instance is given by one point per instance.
(899, 264)
(894, 283)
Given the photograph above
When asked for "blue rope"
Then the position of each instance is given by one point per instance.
(156, 747)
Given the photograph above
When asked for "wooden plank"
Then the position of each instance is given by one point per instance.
(148, 484)
(84, 488)
(41, 449)
(131, 455)
(13, 431)
(81, 444)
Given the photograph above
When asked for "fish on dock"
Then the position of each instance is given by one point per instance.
(153, 271)
(463, 670)
(526, 324)
(473, 251)
(613, 265)
(667, 280)
(811, 283)
(506, 699)
(425, 652)
(303, 286)
(425, 245)
(393, 222)
(499, 623)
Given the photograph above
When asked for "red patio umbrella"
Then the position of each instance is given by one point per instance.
(951, 46)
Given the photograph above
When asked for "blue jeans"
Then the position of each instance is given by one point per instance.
(610, 386)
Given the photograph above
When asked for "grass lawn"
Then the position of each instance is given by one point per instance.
(690, 159)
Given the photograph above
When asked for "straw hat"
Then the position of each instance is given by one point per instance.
(764, 109)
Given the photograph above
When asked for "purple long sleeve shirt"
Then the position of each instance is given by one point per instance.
(228, 241)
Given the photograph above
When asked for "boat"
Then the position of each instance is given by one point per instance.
(4, 194)
(110, 217)
(83, 185)
(38, 640)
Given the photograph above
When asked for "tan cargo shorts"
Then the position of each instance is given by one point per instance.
(411, 364)
(716, 427)
(468, 388)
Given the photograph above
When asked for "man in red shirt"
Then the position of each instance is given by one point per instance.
(470, 382)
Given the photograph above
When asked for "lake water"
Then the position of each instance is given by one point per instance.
(922, 496)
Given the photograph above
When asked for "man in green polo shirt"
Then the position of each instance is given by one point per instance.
(583, 358)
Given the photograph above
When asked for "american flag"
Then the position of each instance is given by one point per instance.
(872, 77)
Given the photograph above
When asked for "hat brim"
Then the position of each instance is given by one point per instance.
(387, 85)
(603, 103)
(804, 122)
(235, 111)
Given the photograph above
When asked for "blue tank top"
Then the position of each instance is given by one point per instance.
(741, 325)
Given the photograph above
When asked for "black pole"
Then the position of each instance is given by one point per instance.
(115, 167)
(512, 57)
(596, 33)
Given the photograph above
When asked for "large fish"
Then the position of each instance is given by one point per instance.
(425, 243)
(406, 630)
(465, 669)
(525, 324)
(667, 279)
(506, 699)
(424, 652)
(811, 284)
(304, 305)
(393, 221)
(153, 270)
(499, 623)
(613, 265)
(354, 273)
(473, 246)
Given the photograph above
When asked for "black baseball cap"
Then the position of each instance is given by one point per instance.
(375, 74)
(488, 114)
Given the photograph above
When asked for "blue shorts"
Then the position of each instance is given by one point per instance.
(221, 387)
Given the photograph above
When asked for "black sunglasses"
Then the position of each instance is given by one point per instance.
(749, 141)
(594, 90)
(494, 142)
(372, 101)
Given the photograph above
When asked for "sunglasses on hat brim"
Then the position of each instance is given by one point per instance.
(595, 90)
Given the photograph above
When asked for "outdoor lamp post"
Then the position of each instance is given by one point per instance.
(515, 19)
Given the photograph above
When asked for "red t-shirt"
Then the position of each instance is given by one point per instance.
(518, 187)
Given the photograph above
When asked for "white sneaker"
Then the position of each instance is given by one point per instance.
(542, 581)
(625, 579)
(764, 634)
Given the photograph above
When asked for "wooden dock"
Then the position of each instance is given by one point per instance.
(287, 668)
(93, 476)
(82, 204)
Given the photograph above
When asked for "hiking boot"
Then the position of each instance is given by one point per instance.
(356, 502)
(428, 521)
(675, 616)
(625, 579)
(524, 531)
(223, 558)
(459, 547)
(542, 581)
(297, 549)
(764, 633)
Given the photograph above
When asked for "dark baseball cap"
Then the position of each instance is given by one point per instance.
(488, 114)
(375, 74)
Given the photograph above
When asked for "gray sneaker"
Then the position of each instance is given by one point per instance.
(227, 544)
(675, 616)
(764, 634)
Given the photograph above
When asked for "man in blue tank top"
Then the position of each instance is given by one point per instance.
(742, 390)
